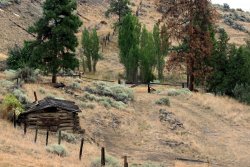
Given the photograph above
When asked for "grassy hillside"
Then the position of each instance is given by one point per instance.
(192, 130)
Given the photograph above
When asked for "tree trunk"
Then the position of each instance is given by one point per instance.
(94, 66)
(54, 78)
(191, 77)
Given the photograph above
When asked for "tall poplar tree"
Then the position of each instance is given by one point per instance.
(129, 40)
(54, 48)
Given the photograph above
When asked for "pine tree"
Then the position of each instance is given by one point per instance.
(219, 62)
(120, 8)
(129, 39)
(190, 23)
(56, 41)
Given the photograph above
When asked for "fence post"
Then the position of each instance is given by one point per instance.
(59, 137)
(125, 161)
(80, 154)
(35, 96)
(47, 136)
(148, 87)
(14, 119)
(25, 128)
(103, 156)
(36, 134)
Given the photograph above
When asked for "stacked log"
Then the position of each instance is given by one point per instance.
(57, 120)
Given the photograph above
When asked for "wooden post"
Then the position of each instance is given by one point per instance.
(148, 87)
(80, 154)
(14, 119)
(125, 161)
(35, 96)
(36, 134)
(59, 137)
(25, 128)
(17, 83)
(103, 156)
(47, 136)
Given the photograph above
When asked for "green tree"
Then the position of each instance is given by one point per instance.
(86, 44)
(95, 49)
(148, 57)
(90, 44)
(20, 57)
(219, 62)
(56, 41)
(129, 39)
(161, 41)
(119, 7)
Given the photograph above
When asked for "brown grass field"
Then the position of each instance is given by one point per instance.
(215, 129)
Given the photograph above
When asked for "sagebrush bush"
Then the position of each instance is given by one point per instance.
(242, 93)
(6, 86)
(109, 162)
(42, 90)
(10, 105)
(105, 101)
(163, 101)
(57, 149)
(147, 164)
(68, 137)
(75, 86)
(21, 96)
(115, 91)
(28, 75)
(177, 92)
(87, 105)
(10, 74)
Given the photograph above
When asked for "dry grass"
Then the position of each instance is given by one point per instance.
(19, 150)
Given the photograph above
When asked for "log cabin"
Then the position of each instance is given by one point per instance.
(52, 114)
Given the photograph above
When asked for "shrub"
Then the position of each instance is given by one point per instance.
(177, 92)
(10, 74)
(68, 137)
(147, 164)
(109, 162)
(6, 86)
(57, 149)
(163, 101)
(87, 105)
(105, 101)
(28, 75)
(117, 92)
(21, 96)
(20, 57)
(242, 93)
(42, 90)
(10, 105)
(75, 86)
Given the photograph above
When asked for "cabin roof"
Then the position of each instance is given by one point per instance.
(49, 102)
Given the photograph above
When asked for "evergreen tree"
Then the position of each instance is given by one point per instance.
(119, 7)
(148, 57)
(129, 39)
(56, 41)
(219, 62)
